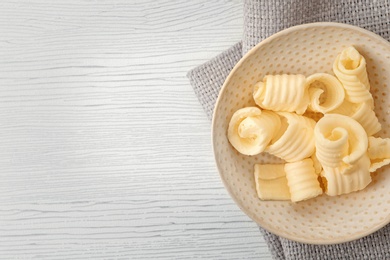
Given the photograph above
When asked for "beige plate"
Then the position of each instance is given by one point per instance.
(305, 49)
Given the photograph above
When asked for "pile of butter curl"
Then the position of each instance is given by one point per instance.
(335, 152)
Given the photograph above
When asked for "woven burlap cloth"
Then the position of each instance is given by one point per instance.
(263, 18)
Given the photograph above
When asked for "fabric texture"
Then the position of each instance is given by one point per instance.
(263, 18)
(208, 78)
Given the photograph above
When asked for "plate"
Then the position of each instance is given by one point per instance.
(305, 49)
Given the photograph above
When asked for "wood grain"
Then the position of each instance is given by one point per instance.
(105, 151)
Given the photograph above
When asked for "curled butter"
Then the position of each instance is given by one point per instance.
(295, 140)
(271, 182)
(250, 129)
(343, 180)
(350, 69)
(282, 93)
(363, 113)
(378, 152)
(325, 91)
(339, 140)
(302, 180)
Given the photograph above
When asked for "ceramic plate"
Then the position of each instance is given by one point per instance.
(305, 49)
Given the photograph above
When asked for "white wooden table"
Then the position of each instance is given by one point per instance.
(105, 152)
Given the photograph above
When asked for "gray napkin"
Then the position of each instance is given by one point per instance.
(263, 18)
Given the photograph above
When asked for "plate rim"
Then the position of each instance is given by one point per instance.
(277, 232)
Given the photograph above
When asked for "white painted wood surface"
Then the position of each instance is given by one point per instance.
(105, 152)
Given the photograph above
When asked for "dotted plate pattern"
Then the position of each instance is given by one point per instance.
(305, 49)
